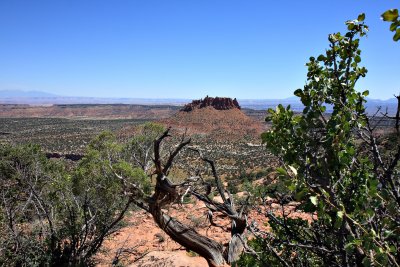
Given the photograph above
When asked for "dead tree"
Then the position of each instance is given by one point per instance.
(167, 193)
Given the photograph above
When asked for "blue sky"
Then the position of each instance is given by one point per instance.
(183, 49)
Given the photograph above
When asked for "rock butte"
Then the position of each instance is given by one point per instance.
(220, 118)
(219, 103)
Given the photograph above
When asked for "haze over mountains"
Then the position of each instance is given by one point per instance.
(44, 98)
(38, 98)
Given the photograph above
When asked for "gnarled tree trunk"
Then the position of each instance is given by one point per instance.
(186, 236)
(166, 193)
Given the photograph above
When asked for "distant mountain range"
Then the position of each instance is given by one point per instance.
(43, 98)
(24, 94)
(372, 105)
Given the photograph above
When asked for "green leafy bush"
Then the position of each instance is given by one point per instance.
(350, 193)
(59, 217)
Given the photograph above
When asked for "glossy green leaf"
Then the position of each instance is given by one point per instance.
(281, 170)
(293, 169)
(361, 17)
(390, 15)
(394, 25)
(301, 194)
(321, 58)
(340, 214)
(292, 187)
(298, 92)
(314, 200)
(396, 37)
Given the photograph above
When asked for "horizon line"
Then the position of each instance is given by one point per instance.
(52, 95)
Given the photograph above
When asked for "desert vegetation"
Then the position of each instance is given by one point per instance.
(327, 185)
(336, 168)
(57, 205)
(58, 135)
(88, 111)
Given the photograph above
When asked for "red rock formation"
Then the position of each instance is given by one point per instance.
(225, 124)
(219, 103)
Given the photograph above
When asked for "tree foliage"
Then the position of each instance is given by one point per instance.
(140, 147)
(58, 216)
(392, 16)
(334, 170)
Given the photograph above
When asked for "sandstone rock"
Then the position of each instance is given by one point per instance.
(219, 103)
(217, 118)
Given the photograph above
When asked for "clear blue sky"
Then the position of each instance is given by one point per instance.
(183, 49)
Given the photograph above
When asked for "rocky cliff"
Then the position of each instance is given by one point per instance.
(218, 103)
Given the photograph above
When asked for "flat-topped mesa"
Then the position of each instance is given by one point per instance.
(219, 103)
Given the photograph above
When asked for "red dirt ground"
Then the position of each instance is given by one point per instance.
(145, 244)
